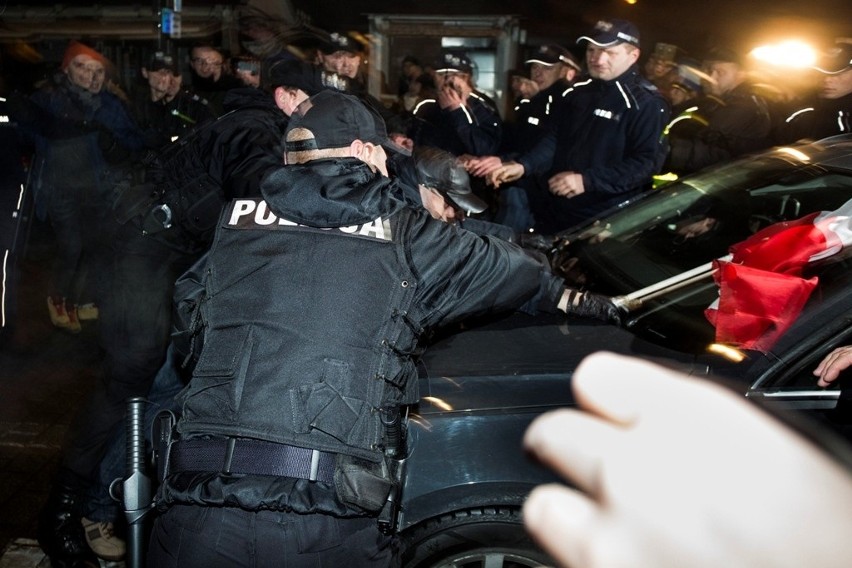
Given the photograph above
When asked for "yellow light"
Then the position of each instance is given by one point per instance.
(631, 2)
(727, 352)
(443, 405)
(791, 53)
(798, 154)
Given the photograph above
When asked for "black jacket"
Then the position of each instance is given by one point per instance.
(737, 123)
(316, 300)
(611, 133)
(223, 159)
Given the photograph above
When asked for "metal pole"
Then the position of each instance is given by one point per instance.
(635, 299)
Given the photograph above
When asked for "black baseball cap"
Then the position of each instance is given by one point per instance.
(162, 60)
(340, 41)
(440, 170)
(453, 61)
(336, 120)
(836, 59)
(291, 73)
(612, 32)
(551, 54)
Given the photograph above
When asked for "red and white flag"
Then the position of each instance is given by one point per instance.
(761, 289)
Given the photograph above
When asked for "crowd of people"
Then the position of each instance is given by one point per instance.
(236, 178)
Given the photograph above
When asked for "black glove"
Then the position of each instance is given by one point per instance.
(588, 305)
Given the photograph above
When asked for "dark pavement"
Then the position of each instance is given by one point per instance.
(45, 374)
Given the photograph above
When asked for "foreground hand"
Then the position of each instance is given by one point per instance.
(483, 165)
(834, 363)
(507, 173)
(673, 471)
(566, 184)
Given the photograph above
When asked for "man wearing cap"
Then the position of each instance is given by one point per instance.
(829, 112)
(161, 108)
(161, 228)
(293, 422)
(738, 123)
(553, 69)
(459, 119)
(606, 143)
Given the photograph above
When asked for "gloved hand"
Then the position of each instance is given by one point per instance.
(588, 305)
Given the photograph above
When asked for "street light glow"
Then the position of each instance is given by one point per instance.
(791, 53)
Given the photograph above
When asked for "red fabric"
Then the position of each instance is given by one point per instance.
(756, 306)
(76, 48)
(784, 248)
(761, 292)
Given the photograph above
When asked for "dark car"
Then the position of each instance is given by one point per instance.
(482, 385)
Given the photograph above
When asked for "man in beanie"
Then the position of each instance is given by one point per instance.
(160, 228)
(607, 141)
(293, 422)
(84, 136)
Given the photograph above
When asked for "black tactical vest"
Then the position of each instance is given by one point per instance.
(307, 335)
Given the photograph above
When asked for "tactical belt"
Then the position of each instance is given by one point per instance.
(251, 457)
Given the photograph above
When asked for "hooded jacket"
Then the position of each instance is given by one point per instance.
(316, 300)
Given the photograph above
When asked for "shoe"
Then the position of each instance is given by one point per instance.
(87, 312)
(58, 315)
(60, 533)
(102, 540)
(73, 321)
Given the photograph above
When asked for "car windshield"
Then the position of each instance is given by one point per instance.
(686, 225)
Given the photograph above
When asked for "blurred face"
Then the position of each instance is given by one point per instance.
(86, 73)
(436, 205)
(207, 62)
(657, 68)
(726, 76)
(836, 86)
(343, 63)
(449, 79)
(175, 84)
(158, 81)
(545, 76)
(608, 63)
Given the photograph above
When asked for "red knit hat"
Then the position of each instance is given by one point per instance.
(76, 48)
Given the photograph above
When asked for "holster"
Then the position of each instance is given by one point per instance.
(163, 435)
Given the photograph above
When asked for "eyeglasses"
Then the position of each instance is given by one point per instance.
(206, 62)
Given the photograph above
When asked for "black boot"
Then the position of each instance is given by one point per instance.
(60, 533)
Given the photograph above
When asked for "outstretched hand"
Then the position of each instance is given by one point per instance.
(588, 305)
(507, 173)
(673, 471)
(834, 363)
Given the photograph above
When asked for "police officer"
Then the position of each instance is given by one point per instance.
(164, 225)
(317, 298)
(460, 119)
(607, 143)
(829, 112)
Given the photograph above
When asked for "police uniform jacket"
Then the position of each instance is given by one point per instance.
(473, 129)
(533, 118)
(739, 123)
(316, 299)
(611, 133)
(817, 118)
